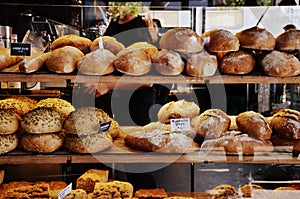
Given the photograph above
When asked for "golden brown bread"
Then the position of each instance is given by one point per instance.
(109, 43)
(9, 122)
(77, 194)
(33, 64)
(224, 191)
(29, 191)
(150, 49)
(6, 59)
(151, 193)
(288, 41)
(247, 189)
(89, 178)
(76, 41)
(8, 143)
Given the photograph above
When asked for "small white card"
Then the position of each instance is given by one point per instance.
(65, 191)
(180, 124)
(101, 46)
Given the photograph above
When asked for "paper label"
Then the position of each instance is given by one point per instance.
(101, 46)
(104, 126)
(180, 124)
(65, 191)
(20, 49)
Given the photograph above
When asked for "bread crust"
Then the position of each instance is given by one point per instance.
(33, 64)
(109, 43)
(81, 43)
(288, 41)
(8, 143)
(6, 60)
(10, 122)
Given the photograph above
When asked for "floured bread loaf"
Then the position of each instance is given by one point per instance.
(33, 64)
(288, 41)
(254, 124)
(81, 43)
(148, 48)
(177, 109)
(62, 106)
(9, 121)
(109, 43)
(6, 59)
(88, 180)
(8, 143)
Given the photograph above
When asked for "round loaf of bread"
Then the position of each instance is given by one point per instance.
(280, 64)
(64, 59)
(237, 63)
(133, 62)
(256, 38)
(109, 43)
(177, 109)
(9, 122)
(220, 40)
(254, 124)
(81, 43)
(21, 105)
(150, 49)
(8, 143)
(167, 62)
(201, 64)
(286, 123)
(288, 41)
(41, 143)
(42, 120)
(182, 40)
(62, 106)
(6, 59)
(212, 123)
(92, 143)
(98, 62)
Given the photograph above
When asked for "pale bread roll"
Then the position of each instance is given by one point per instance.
(288, 41)
(8, 143)
(62, 106)
(6, 59)
(9, 121)
(81, 43)
(109, 43)
(148, 48)
(33, 64)
(64, 59)
(98, 62)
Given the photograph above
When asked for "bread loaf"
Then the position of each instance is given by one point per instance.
(247, 189)
(150, 49)
(114, 189)
(8, 143)
(224, 191)
(292, 145)
(288, 41)
(76, 41)
(20, 104)
(6, 59)
(77, 194)
(30, 191)
(88, 180)
(109, 43)
(33, 64)
(9, 122)
(60, 105)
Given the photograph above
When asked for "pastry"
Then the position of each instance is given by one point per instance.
(88, 180)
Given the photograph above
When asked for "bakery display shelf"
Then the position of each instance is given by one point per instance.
(196, 195)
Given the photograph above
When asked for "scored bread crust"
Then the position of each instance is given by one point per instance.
(8, 143)
(10, 122)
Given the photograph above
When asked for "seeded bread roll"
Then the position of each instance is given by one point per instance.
(9, 121)
(42, 120)
(41, 143)
(8, 143)
(6, 60)
(88, 180)
(62, 106)
(88, 143)
(288, 41)
(109, 43)
(76, 41)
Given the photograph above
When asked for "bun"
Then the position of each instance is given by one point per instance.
(62, 106)
(9, 122)
(201, 64)
(148, 48)
(177, 109)
(168, 62)
(113, 189)
(64, 60)
(21, 105)
(30, 191)
(288, 41)
(212, 123)
(78, 42)
(238, 62)
(182, 40)
(88, 180)
(224, 191)
(254, 124)
(8, 143)
(133, 62)
(256, 38)
(33, 64)
(280, 64)
(98, 62)
(109, 43)
(6, 60)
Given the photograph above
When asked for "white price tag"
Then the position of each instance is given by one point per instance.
(181, 124)
(65, 191)
(100, 41)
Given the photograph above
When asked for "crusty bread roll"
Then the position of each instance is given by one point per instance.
(81, 43)
(113, 189)
(62, 106)
(182, 40)
(12, 68)
(17, 104)
(8, 143)
(33, 64)
(212, 123)
(150, 49)
(41, 143)
(238, 62)
(220, 40)
(42, 120)
(224, 191)
(168, 62)
(109, 43)
(248, 188)
(64, 59)
(77, 193)
(6, 59)
(254, 124)
(133, 61)
(151, 193)
(89, 178)
(286, 123)
(256, 38)
(288, 41)
(201, 64)
(177, 109)
(280, 64)
(9, 122)
(98, 62)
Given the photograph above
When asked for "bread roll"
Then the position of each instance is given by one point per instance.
(114, 189)
(9, 122)
(201, 64)
(177, 109)
(62, 106)
(254, 124)
(150, 49)
(64, 59)
(256, 38)
(221, 41)
(33, 64)
(133, 62)
(109, 43)
(288, 41)
(237, 63)
(280, 64)
(247, 189)
(224, 191)
(6, 59)
(20, 104)
(8, 143)
(76, 41)
(77, 193)
(182, 40)
(88, 180)
(98, 62)
(168, 62)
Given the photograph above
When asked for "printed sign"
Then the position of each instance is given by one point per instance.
(104, 126)
(65, 191)
(20, 49)
(180, 124)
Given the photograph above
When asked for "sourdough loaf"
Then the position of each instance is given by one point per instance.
(81, 43)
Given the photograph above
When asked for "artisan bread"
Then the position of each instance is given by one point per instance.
(77, 194)
(88, 180)
(224, 191)
(177, 109)
(254, 124)
(212, 123)
(30, 191)
(150, 49)
(167, 62)
(247, 189)
(237, 62)
(201, 64)
(20, 104)
(182, 40)
(41, 143)
(288, 41)
(42, 120)
(256, 38)
(286, 123)
(133, 61)
(9, 122)
(151, 193)
(279, 64)
(114, 189)
(8, 143)
(81, 43)
(62, 106)
(33, 64)
(64, 60)
(6, 59)
(109, 43)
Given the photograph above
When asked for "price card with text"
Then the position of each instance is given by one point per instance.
(65, 191)
(180, 124)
